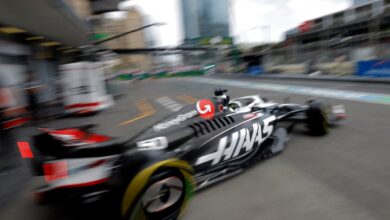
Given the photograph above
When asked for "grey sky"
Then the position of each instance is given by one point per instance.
(251, 20)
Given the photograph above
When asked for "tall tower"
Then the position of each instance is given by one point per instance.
(361, 2)
(205, 18)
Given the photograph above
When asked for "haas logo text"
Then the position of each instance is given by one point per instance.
(241, 142)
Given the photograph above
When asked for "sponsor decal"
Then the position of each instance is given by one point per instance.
(205, 108)
(374, 68)
(241, 142)
(176, 121)
(158, 143)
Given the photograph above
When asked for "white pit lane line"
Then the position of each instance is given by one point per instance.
(169, 104)
(367, 97)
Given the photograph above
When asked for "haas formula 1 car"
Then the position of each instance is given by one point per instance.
(153, 175)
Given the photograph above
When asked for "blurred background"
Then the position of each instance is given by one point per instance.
(293, 38)
(60, 58)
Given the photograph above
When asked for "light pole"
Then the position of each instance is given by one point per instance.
(127, 32)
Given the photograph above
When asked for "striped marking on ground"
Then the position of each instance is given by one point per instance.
(146, 110)
(169, 104)
(367, 97)
(187, 99)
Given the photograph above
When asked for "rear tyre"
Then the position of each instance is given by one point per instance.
(163, 198)
(317, 118)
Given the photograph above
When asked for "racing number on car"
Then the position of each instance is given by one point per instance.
(158, 143)
(205, 108)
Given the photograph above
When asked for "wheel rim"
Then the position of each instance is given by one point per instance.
(162, 194)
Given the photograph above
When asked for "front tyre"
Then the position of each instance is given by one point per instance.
(317, 117)
(164, 197)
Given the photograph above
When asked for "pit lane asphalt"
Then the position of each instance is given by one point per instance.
(345, 175)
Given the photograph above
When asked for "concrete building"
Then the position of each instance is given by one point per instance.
(131, 20)
(81, 7)
(31, 34)
(343, 38)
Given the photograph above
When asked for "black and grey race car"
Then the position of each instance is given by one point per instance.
(154, 175)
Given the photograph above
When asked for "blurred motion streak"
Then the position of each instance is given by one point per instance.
(63, 63)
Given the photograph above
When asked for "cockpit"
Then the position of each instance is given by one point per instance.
(245, 104)
(242, 104)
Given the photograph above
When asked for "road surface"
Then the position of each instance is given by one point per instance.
(345, 175)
